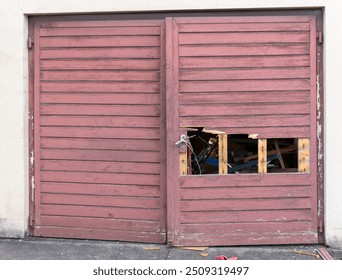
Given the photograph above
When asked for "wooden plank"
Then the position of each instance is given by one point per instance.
(101, 53)
(244, 192)
(241, 37)
(100, 75)
(247, 121)
(100, 144)
(304, 155)
(100, 200)
(101, 121)
(100, 41)
(101, 155)
(243, 50)
(96, 189)
(99, 31)
(246, 85)
(223, 153)
(92, 86)
(245, 204)
(103, 166)
(262, 156)
(101, 98)
(101, 234)
(100, 64)
(247, 109)
(101, 212)
(243, 74)
(227, 239)
(101, 132)
(100, 178)
(101, 23)
(183, 162)
(248, 216)
(243, 27)
(101, 223)
(245, 180)
(101, 110)
(280, 157)
(248, 228)
(247, 62)
(244, 97)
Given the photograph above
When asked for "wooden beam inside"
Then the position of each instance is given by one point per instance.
(262, 155)
(183, 163)
(304, 155)
(223, 153)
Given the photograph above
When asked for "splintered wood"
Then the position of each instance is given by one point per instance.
(262, 155)
(304, 155)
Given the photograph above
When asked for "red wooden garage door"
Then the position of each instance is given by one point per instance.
(98, 141)
(252, 76)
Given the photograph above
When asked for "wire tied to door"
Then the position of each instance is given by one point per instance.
(184, 140)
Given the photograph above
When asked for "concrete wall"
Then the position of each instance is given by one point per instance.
(14, 210)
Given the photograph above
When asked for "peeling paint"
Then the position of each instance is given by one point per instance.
(319, 125)
(253, 136)
(213, 131)
(33, 187)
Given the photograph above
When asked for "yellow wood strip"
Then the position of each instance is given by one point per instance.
(304, 155)
(223, 153)
(183, 163)
(262, 155)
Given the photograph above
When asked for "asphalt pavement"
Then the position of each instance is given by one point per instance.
(34, 248)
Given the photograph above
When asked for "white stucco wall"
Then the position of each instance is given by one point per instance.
(14, 185)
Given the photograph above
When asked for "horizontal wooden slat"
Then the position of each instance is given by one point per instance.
(245, 204)
(101, 223)
(99, 31)
(101, 98)
(243, 37)
(104, 189)
(100, 75)
(92, 87)
(243, 74)
(110, 167)
(244, 97)
(101, 155)
(246, 85)
(100, 178)
(242, 50)
(247, 121)
(101, 64)
(101, 144)
(102, 110)
(244, 192)
(101, 121)
(245, 180)
(101, 212)
(247, 228)
(272, 132)
(102, 234)
(228, 239)
(101, 41)
(245, 109)
(92, 53)
(101, 23)
(100, 200)
(98, 132)
(246, 216)
(246, 62)
(243, 27)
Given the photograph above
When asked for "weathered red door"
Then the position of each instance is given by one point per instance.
(242, 75)
(98, 130)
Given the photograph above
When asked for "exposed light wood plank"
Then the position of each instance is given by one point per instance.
(262, 156)
(183, 162)
(304, 155)
(223, 153)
